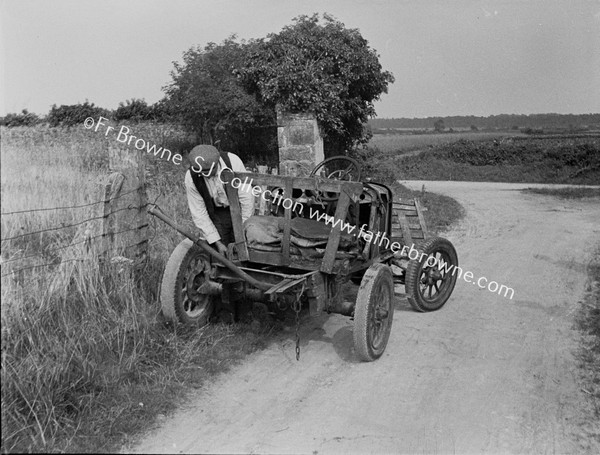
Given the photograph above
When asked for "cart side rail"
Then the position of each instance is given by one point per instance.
(261, 185)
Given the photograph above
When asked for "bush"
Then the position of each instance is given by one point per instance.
(74, 114)
(25, 118)
(134, 110)
(556, 152)
(374, 167)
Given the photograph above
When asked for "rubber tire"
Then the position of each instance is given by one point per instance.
(414, 272)
(172, 284)
(377, 278)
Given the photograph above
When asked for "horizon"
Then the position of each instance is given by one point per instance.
(42, 116)
(465, 58)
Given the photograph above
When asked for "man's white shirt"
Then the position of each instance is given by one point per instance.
(219, 196)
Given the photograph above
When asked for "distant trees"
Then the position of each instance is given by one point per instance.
(439, 125)
(25, 118)
(135, 110)
(75, 114)
(501, 121)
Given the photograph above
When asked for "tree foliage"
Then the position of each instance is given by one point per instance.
(209, 100)
(323, 68)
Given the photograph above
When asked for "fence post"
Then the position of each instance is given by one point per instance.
(125, 226)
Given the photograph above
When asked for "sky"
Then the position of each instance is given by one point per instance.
(449, 57)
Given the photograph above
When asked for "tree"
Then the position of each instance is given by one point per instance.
(439, 125)
(209, 100)
(323, 68)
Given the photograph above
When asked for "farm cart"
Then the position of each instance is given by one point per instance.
(309, 237)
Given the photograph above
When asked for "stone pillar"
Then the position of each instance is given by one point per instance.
(300, 143)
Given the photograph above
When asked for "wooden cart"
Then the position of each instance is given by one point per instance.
(322, 231)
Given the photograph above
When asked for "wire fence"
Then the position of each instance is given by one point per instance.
(102, 201)
(88, 239)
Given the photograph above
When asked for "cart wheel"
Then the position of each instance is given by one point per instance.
(430, 282)
(374, 312)
(184, 273)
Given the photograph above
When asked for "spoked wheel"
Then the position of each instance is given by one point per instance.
(185, 273)
(337, 168)
(374, 312)
(430, 278)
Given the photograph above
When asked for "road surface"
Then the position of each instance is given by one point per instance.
(486, 373)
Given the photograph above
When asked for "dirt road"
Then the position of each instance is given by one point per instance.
(483, 374)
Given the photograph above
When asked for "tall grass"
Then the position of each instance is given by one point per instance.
(83, 366)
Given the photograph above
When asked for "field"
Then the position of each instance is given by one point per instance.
(403, 143)
(533, 159)
(85, 366)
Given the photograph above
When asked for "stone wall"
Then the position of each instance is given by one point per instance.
(300, 143)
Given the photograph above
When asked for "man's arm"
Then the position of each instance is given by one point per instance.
(199, 212)
(244, 192)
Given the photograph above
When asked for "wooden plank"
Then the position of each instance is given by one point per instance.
(262, 204)
(306, 183)
(236, 221)
(407, 208)
(265, 257)
(316, 293)
(111, 191)
(334, 237)
(406, 234)
(287, 234)
(372, 215)
(414, 223)
(417, 235)
(411, 212)
(421, 219)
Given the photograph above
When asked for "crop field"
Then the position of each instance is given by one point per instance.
(403, 143)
